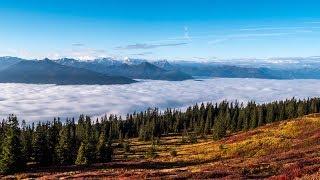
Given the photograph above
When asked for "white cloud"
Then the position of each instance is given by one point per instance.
(78, 44)
(43, 102)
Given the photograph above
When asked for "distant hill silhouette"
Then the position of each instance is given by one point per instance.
(139, 70)
(146, 70)
(49, 72)
(7, 61)
(108, 70)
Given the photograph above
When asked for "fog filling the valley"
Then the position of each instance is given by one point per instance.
(43, 102)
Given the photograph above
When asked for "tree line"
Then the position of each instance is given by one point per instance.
(88, 141)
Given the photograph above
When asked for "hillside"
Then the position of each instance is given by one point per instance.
(183, 70)
(49, 72)
(5, 62)
(147, 70)
(135, 70)
(281, 150)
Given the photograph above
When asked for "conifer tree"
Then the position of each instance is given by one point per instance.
(40, 145)
(261, 116)
(254, 118)
(2, 134)
(207, 127)
(219, 128)
(227, 119)
(12, 159)
(301, 109)
(234, 121)
(86, 153)
(26, 141)
(82, 155)
(53, 140)
(102, 150)
(64, 147)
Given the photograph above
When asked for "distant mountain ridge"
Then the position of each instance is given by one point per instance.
(50, 72)
(7, 61)
(136, 69)
(184, 70)
(146, 70)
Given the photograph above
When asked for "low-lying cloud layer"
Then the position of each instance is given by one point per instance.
(43, 102)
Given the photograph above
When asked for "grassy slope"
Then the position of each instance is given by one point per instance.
(287, 149)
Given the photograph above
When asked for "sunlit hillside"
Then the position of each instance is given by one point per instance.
(282, 150)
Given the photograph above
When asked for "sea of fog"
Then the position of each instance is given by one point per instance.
(43, 102)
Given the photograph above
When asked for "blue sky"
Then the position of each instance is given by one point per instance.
(170, 29)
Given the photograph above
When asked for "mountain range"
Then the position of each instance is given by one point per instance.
(135, 69)
(50, 72)
(113, 71)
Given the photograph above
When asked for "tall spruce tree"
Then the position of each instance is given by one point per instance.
(219, 127)
(26, 141)
(41, 146)
(82, 155)
(64, 147)
(12, 159)
(102, 150)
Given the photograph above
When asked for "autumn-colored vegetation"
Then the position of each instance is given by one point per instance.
(281, 150)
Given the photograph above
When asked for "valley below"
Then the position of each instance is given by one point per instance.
(34, 102)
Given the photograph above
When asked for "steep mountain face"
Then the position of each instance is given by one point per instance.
(5, 62)
(164, 64)
(49, 72)
(133, 69)
(131, 61)
(146, 70)
(97, 65)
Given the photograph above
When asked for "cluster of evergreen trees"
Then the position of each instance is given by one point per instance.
(52, 143)
(86, 142)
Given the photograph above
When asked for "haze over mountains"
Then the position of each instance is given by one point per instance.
(274, 68)
(135, 69)
(113, 71)
(49, 72)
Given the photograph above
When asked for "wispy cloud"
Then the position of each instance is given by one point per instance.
(313, 22)
(186, 33)
(82, 53)
(217, 41)
(78, 44)
(141, 54)
(240, 36)
(149, 46)
(271, 28)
